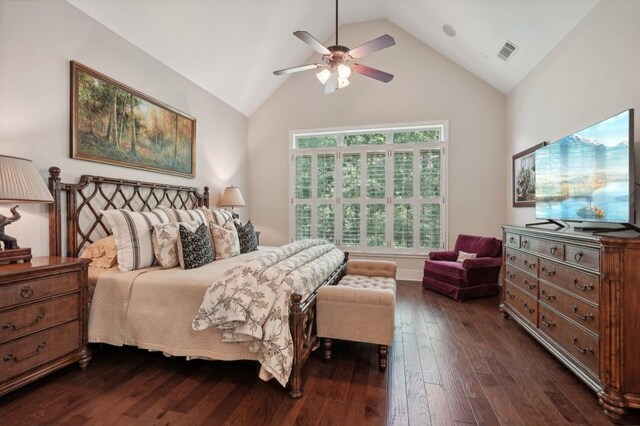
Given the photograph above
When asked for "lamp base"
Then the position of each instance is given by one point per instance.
(15, 255)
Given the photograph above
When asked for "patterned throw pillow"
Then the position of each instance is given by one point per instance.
(208, 214)
(178, 215)
(225, 240)
(247, 237)
(132, 231)
(463, 255)
(165, 242)
(194, 248)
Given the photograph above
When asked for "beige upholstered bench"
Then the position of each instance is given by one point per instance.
(360, 307)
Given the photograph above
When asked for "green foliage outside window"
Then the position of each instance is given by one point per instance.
(303, 221)
(351, 175)
(430, 226)
(317, 142)
(351, 225)
(430, 173)
(417, 136)
(403, 174)
(376, 225)
(365, 139)
(326, 222)
(376, 173)
(303, 177)
(403, 225)
(326, 175)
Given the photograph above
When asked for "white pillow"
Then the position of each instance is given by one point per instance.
(165, 240)
(462, 256)
(178, 215)
(132, 231)
(225, 240)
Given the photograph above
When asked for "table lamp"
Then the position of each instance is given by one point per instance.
(232, 197)
(20, 182)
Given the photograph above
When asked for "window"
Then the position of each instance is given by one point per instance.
(373, 190)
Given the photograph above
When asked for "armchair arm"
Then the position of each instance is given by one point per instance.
(443, 255)
(482, 262)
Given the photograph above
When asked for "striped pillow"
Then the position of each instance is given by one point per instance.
(220, 216)
(132, 231)
(178, 215)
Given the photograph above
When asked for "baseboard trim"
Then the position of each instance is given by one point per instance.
(404, 274)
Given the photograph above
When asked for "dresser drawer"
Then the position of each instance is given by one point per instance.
(576, 282)
(579, 343)
(538, 245)
(28, 290)
(581, 312)
(524, 281)
(38, 316)
(583, 256)
(522, 260)
(511, 239)
(20, 355)
(520, 302)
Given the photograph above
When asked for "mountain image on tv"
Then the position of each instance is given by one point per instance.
(585, 176)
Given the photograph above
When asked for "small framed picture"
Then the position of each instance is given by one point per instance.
(524, 177)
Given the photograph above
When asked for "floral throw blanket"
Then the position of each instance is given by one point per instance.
(250, 302)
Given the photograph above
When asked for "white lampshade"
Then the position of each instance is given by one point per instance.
(323, 75)
(232, 197)
(20, 182)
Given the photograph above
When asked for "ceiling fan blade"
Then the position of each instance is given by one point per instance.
(371, 46)
(332, 84)
(385, 77)
(315, 44)
(297, 69)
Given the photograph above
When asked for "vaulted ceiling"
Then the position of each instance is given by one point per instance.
(231, 48)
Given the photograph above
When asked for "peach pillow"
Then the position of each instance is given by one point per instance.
(102, 253)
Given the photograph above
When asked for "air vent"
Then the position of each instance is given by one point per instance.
(507, 51)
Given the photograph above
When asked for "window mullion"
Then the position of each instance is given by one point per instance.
(389, 199)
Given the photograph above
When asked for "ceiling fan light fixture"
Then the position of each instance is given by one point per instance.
(342, 82)
(344, 71)
(323, 76)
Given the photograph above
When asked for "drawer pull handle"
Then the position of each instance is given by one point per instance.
(527, 308)
(511, 275)
(547, 273)
(549, 297)
(11, 357)
(547, 324)
(525, 243)
(581, 287)
(512, 258)
(553, 250)
(532, 265)
(26, 292)
(531, 286)
(40, 315)
(583, 350)
(578, 256)
(587, 317)
(512, 240)
(525, 262)
(510, 295)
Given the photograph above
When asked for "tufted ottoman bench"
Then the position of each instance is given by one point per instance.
(360, 307)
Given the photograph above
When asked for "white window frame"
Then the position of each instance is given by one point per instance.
(389, 147)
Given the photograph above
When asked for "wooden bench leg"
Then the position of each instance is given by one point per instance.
(326, 345)
(383, 351)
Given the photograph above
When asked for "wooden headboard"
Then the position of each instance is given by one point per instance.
(85, 199)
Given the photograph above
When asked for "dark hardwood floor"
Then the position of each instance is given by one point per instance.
(450, 363)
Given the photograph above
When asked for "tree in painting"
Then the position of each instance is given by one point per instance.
(114, 125)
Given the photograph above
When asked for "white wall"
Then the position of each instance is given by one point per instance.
(427, 86)
(591, 75)
(38, 38)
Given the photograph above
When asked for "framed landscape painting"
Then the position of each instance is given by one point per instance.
(115, 124)
(524, 177)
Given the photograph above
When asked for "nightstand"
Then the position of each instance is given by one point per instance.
(43, 319)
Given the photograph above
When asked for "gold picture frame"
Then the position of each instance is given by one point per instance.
(115, 124)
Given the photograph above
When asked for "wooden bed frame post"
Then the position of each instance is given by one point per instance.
(297, 325)
(55, 218)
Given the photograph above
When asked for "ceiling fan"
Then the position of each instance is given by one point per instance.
(338, 61)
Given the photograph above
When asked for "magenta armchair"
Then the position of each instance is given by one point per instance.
(470, 279)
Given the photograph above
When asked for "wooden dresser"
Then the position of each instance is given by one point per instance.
(579, 295)
(43, 323)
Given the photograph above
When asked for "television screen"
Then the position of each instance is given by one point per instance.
(588, 176)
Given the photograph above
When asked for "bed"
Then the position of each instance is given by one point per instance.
(75, 222)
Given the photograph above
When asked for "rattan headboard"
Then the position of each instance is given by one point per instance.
(85, 199)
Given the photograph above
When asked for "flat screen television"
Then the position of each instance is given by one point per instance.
(589, 175)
